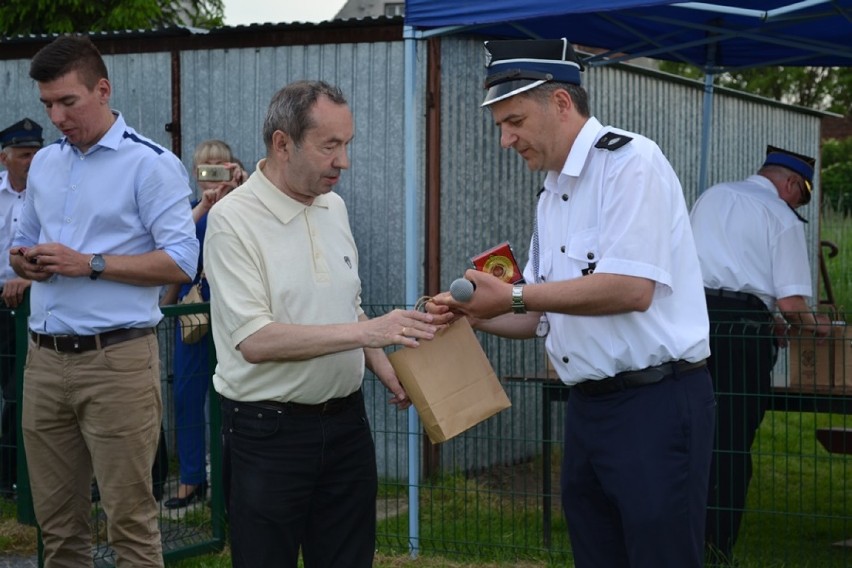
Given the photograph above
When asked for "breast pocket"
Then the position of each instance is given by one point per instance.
(582, 253)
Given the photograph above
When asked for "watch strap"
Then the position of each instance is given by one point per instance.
(518, 305)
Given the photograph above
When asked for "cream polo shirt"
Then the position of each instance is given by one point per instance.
(749, 240)
(269, 258)
(622, 212)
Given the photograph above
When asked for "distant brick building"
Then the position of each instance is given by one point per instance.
(836, 127)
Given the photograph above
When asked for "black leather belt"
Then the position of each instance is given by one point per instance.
(633, 379)
(742, 297)
(81, 343)
(331, 406)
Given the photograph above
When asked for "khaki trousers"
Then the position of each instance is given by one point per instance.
(97, 411)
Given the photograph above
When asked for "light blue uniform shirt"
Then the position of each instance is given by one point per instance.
(127, 195)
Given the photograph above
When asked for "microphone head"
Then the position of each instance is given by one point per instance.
(462, 289)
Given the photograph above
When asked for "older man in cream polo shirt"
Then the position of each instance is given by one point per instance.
(292, 342)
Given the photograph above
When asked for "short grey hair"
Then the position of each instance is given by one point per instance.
(578, 95)
(290, 109)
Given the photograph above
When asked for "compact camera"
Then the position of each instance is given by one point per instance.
(213, 172)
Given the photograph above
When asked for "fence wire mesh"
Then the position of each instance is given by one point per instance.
(492, 494)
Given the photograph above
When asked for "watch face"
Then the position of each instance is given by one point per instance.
(97, 263)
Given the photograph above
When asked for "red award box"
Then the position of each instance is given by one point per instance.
(500, 262)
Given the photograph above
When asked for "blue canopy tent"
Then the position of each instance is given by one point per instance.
(715, 35)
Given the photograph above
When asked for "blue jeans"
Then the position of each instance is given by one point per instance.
(191, 381)
(299, 481)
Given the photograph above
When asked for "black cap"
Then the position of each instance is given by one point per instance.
(800, 164)
(25, 133)
(515, 66)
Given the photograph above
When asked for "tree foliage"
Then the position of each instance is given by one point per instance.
(836, 174)
(822, 88)
(24, 17)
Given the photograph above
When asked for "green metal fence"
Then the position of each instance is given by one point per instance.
(492, 494)
(186, 532)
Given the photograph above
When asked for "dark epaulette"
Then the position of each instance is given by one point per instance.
(612, 141)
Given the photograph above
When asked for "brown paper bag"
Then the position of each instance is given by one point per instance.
(450, 381)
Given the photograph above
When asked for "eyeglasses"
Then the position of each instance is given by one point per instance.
(804, 187)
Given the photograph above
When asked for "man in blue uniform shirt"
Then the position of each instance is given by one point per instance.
(106, 223)
(613, 281)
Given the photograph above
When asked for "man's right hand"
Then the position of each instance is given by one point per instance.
(25, 264)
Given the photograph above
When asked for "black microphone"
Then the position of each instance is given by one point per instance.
(462, 289)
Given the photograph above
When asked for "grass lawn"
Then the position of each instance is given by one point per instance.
(799, 505)
(837, 228)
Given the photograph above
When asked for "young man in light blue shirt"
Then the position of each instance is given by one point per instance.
(105, 224)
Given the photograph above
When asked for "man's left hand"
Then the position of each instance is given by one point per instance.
(13, 291)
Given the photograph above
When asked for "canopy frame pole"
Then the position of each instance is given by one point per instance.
(412, 264)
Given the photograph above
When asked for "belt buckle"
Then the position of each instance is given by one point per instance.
(56, 338)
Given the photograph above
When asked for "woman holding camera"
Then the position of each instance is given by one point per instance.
(217, 173)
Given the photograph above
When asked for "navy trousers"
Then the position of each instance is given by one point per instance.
(743, 355)
(296, 481)
(635, 472)
(8, 414)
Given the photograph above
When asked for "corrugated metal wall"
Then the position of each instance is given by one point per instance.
(141, 90)
(487, 194)
(225, 94)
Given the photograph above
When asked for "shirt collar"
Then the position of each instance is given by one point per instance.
(111, 139)
(577, 155)
(284, 207)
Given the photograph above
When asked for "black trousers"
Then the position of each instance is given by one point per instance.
(299, 482)
(8, 418)
(742, 357)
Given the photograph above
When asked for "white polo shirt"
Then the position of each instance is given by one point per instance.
(622, 211)
(749, 240)
(269, 258)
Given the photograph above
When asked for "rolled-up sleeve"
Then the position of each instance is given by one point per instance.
(164, 207)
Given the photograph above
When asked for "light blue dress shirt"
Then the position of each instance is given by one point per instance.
(125, 196)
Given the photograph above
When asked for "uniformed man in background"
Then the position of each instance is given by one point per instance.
(754, 260)
(18, 144)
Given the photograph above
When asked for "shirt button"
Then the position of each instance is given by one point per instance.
(562, 248)
(564, 197)
(67, 219)
(565, 359)
(590, 255)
